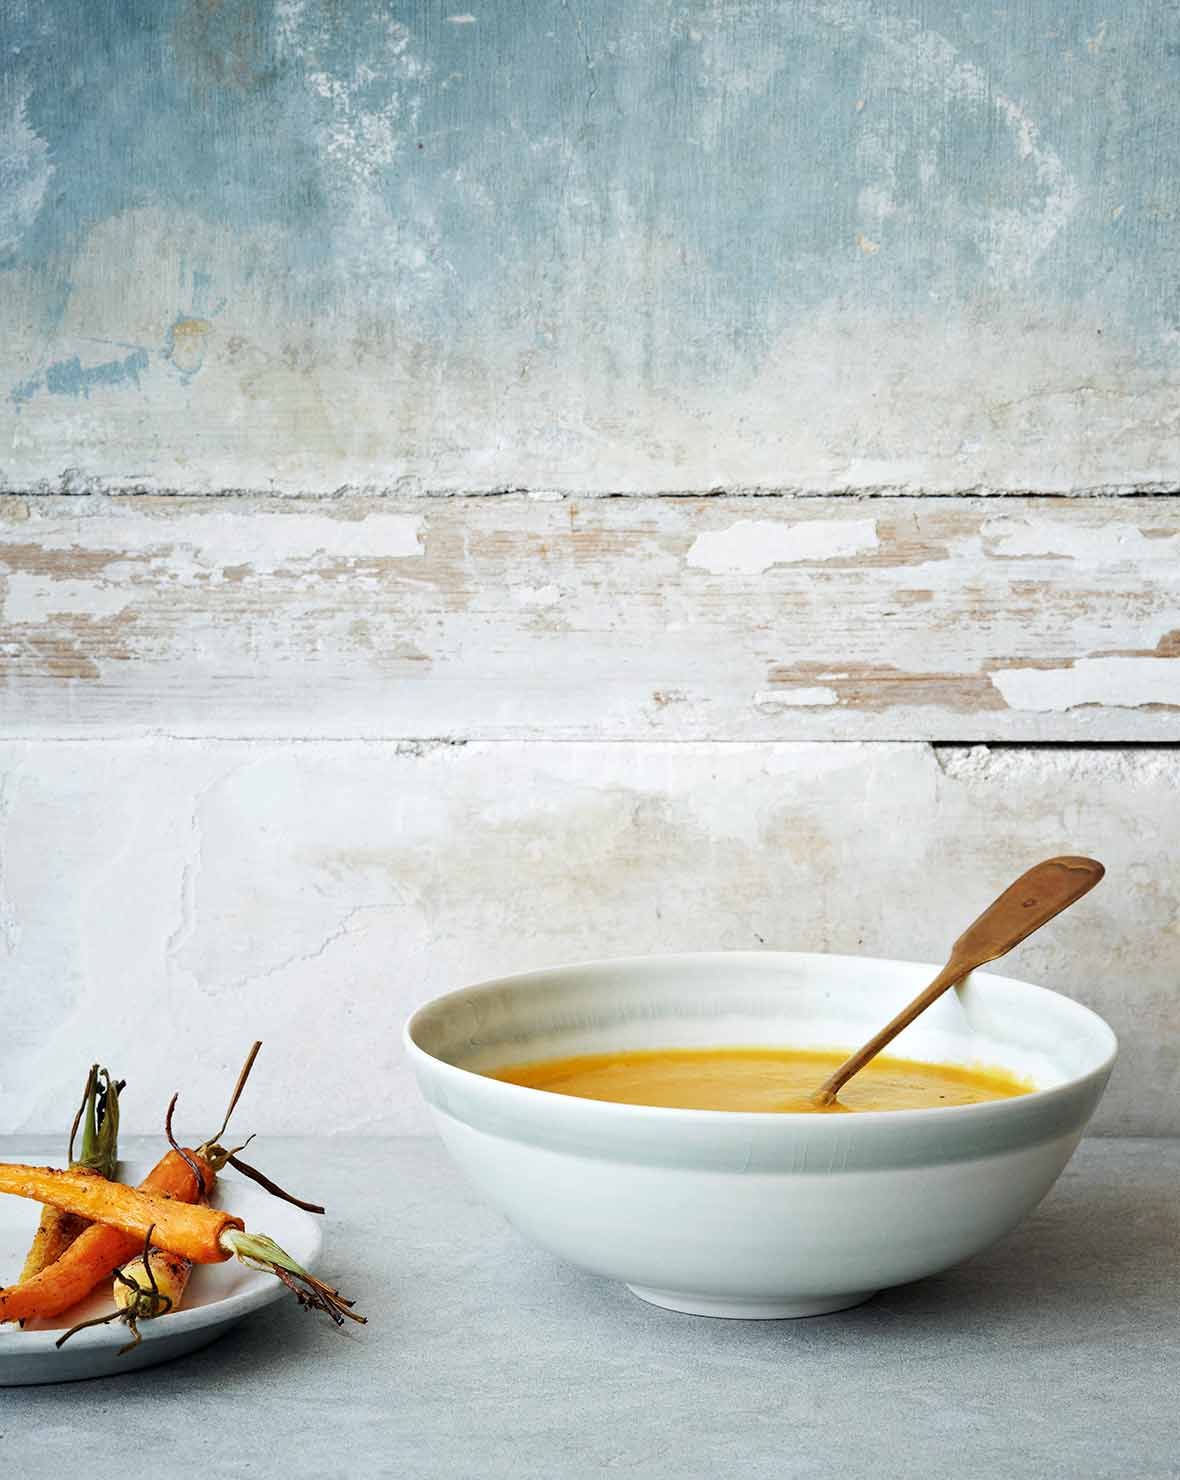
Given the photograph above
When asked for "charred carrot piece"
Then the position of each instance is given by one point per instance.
(148, 1287)
(185, 1176)
(181, 1227)
(152, 1284)
(100, 1249)
(204, 1235)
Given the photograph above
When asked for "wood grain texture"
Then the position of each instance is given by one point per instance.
(516, 617)
(311, 894)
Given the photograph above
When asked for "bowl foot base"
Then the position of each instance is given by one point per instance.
(749, 1310)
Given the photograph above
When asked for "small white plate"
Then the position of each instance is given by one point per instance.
(218, 1295)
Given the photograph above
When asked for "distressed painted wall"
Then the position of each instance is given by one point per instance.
(298, 244)
(296, 752)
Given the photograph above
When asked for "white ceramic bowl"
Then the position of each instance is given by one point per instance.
(756, 1215)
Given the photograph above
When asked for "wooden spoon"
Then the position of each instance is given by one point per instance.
(1024, 906)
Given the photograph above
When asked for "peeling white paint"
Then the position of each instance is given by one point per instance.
(221, 539)
(1115, 540)
(514, 618)
(755, 545)
(767, 701)
(1115, 683)
(38, 598)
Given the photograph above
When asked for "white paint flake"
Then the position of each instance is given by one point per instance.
(755, 545)
(1102, 544)
(37, 598)
(262, 546)
(770, 701)
(1116, 683)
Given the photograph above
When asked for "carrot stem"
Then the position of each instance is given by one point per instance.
(115, 1315)
(239, 1087)
(273, 1188)
(100, 1131)
(257, 1251)
(180, 1151)
(88, 1095)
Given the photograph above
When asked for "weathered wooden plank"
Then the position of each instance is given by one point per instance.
(312, 893)
(513, 617)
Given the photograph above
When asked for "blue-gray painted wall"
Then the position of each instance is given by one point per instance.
(836, 243)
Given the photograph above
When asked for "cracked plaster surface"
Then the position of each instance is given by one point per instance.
(313, 895)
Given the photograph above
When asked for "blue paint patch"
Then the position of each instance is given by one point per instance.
(71, 378)
(68, 378)
(25, 390)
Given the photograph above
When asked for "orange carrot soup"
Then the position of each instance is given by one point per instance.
(770, 1079)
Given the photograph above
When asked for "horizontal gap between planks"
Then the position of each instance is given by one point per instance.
(442, 742)
(92, 487)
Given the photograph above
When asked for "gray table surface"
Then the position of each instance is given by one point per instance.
(1056, 1353)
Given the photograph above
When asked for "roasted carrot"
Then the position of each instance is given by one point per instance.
(204, 1235)
(151, 1285)
(99, 1154)
(100, 1249)
(181, 1178)
(184, 1175)
(181, 1227)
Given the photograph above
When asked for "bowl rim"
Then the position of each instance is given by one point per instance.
(613, 1110)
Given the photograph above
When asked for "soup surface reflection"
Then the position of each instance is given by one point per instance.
(769, 1079)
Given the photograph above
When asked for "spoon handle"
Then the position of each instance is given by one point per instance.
(1032, 901)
